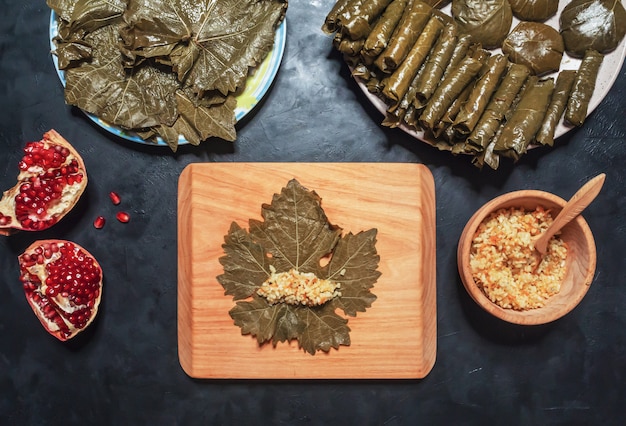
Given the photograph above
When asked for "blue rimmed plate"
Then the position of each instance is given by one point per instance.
(257, 84)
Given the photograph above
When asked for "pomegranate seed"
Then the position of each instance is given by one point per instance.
(4, 220)
(115, 198)
(123, 217)
(51, 169)
(99, 222)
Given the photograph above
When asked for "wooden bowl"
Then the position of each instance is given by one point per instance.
(581, 259)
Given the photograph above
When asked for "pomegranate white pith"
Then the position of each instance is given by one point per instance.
(63, 285)
(52, 178)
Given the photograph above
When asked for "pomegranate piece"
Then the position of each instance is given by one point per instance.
(115, 198)
(51, 179)
(99, 222)
(63, 285)
(123, 217)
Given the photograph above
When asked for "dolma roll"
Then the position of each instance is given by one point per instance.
(410, 118)
(436, 65)
(443, 128)
(409, 96)
(362, 71)
(524, 122)
(413, 21)
(463, 45)
(330, 23)
(380, 35)
(357, 26)
(488, 157)
(449, 89)
(500, 102)
(396, 112)
(347, 46)
(562, 89)
(480, 95)
(375, 84)
(402, 77)
(583, 87)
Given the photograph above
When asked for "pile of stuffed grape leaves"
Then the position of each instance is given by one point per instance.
(439, 75)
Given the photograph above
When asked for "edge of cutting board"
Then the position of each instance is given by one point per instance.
(210, 346)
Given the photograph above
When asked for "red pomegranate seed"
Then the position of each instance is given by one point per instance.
(4, 220)
(99, 222)
(115, 198)
(123, 217)
(41, 192)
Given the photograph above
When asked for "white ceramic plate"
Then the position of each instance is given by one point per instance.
(608, 73)
(257, 84)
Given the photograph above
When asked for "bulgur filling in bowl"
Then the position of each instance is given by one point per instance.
(505, 265)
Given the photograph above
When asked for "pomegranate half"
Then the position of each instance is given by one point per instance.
(51, 179)
(63, 285)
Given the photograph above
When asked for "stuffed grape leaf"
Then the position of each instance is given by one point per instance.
(534, 10)
(536, 45)
(296, 234)
(592, 24)
(487, 21)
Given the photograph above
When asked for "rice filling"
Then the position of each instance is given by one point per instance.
(504, 262)
(298, 288)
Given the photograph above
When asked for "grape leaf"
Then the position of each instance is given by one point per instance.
(136, 99)
(88, 15)
(296, 234)
(295, 230)
(354, 264)
(323, 329)
(210, 44)
(163, 68)
(245, 264)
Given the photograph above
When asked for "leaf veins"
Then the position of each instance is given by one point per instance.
(296, 234)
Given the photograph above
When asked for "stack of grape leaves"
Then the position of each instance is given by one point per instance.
(163, 68)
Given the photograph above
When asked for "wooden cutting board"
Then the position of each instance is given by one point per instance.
(395, 338)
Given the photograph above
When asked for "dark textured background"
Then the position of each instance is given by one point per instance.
(125, 370)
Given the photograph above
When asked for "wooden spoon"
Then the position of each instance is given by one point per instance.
(581, 199)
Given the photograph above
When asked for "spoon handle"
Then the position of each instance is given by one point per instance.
(581, 199)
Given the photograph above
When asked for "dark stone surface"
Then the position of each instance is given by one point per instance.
(125, 370)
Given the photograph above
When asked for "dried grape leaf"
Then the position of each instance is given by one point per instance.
(296, 234)
(72, 53)
(245, 264)
(136, 99)
(88, 15)
(354, 263)
(210, 44)
(323, 329)
(297, 214)
(198, 122)
(258, 318)
(163, 68)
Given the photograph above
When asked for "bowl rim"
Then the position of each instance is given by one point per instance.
(536, 316)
